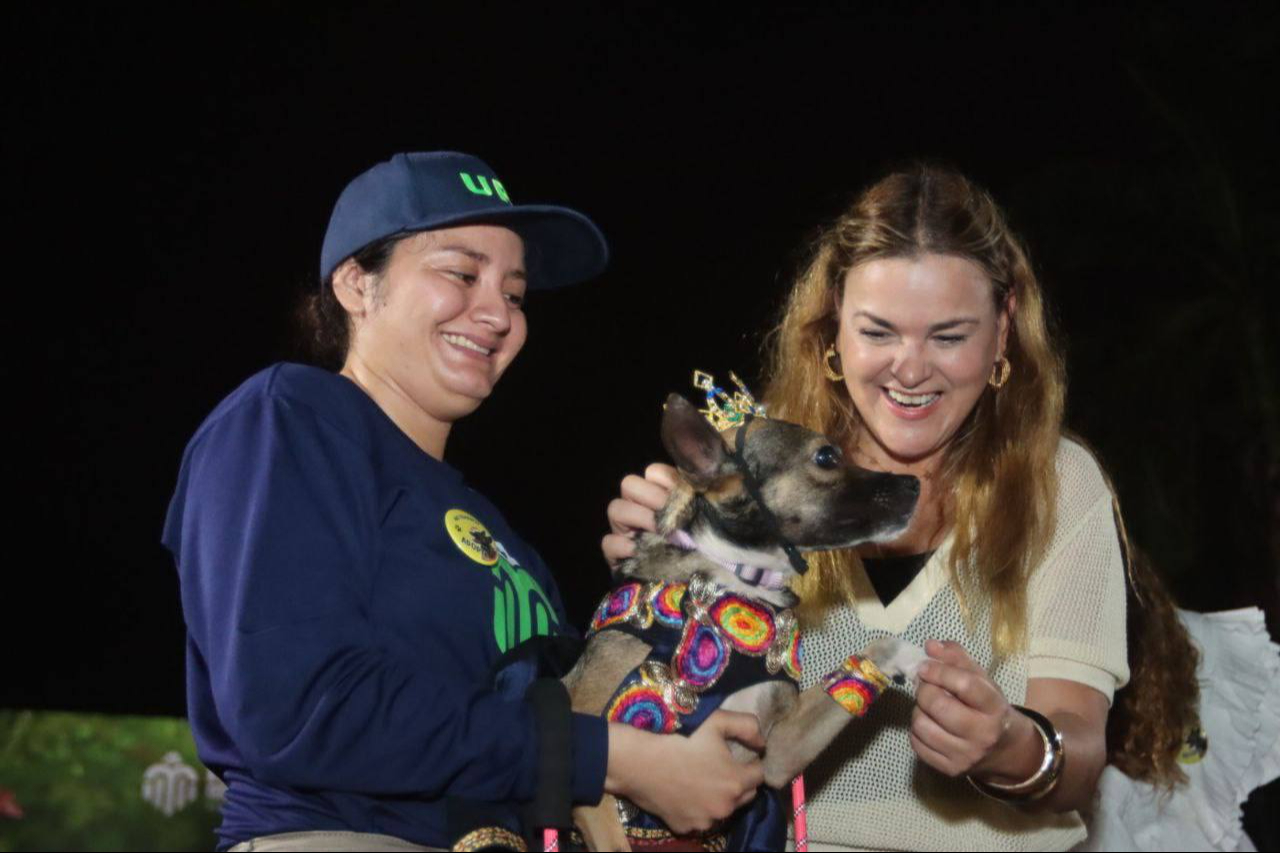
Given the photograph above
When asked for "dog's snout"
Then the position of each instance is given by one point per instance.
(891, 489)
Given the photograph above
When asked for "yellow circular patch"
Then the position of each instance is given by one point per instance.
(1194, 747)
(471, 537)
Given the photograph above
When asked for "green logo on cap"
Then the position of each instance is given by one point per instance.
(484, 188)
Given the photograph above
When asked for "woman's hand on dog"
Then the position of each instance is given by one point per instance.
(635, 511)
(689, 782)
(963, 724)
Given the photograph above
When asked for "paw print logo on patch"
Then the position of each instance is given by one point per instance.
(471, 537)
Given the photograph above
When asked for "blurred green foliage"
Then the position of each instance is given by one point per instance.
(78, 780)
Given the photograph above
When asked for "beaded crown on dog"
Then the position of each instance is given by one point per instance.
(723, 411)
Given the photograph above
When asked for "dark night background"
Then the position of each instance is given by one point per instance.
(171, 175)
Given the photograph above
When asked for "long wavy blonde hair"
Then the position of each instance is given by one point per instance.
(998, 472)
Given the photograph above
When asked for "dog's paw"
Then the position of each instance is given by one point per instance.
(896, 658)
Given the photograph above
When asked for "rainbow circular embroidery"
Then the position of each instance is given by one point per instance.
(701, 657)
(641, 706)
(853, 694)
(621, 604)
(794, 660)
(748, 626)
(666, 604)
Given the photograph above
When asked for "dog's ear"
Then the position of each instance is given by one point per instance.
(694, 444)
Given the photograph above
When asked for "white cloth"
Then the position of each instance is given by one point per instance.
(1239, 678)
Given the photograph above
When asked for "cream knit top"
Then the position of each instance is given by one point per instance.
(868, 790)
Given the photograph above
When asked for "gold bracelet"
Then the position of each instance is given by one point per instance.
(1046, 777)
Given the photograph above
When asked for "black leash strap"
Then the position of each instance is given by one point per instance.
(753, 489)
(553, 799)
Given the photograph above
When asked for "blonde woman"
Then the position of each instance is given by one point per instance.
(916, 337)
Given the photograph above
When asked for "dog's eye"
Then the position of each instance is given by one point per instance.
(827, 457)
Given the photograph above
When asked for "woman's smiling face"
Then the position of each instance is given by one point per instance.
(448, 319)
(918, 339)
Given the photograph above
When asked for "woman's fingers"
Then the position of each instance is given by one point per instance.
(953, 670)
(952, 653)
(628, 517)
(725, 726)
(974, 688)
(636, 511)
(645, 492)
(734, 725)
(961, 751)
(661, 474)
(689, 782)
(616, 548)
(931, 756)
(960, 715)
(948, 711)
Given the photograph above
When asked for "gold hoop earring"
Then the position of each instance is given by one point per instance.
(826, 365)
(1000, 373)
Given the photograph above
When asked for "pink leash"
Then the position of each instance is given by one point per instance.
(800, 815)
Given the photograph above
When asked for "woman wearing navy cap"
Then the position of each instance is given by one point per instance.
(347, 595)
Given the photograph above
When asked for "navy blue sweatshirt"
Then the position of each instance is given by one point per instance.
(345, 596)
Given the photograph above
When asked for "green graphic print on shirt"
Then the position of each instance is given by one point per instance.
(521, 609)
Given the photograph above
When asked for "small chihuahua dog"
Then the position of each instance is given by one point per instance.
(701, 615)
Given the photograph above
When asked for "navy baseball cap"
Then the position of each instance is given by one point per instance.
(438, 189)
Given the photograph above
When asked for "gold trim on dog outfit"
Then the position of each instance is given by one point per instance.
(713, 623)
(487, 837)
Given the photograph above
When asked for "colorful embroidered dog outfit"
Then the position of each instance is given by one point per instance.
(707, 643)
